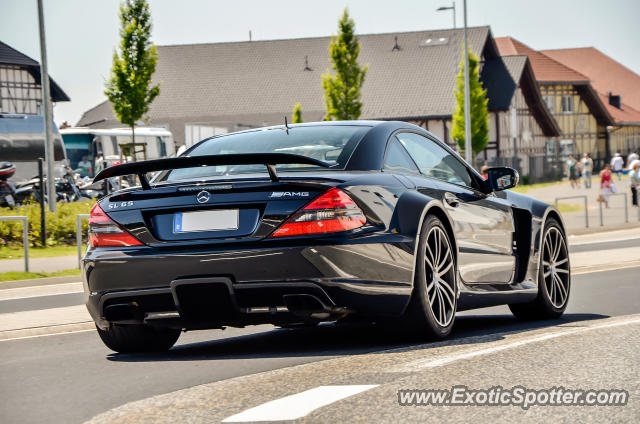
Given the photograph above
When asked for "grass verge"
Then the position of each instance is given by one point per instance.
(522, 189)
(16, 252)
(21, 275)
(567, 208)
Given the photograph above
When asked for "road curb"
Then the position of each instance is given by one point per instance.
(599, 229)
(604, 267)
(40, 282)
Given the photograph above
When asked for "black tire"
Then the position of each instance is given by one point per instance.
(543, 306)
(138, 338)
(421, 314)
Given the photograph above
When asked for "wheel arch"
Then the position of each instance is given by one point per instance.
(550, 212)
(413, 209)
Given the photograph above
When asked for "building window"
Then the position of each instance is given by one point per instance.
(550, 102)
(195, 133)
(567, 104)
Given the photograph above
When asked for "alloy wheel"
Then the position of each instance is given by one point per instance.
(440, 275)
(555, 267)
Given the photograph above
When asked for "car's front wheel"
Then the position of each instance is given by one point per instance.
(554, 277)
(434, 301)
(138, 338)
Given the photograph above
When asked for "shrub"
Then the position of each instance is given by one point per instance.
(61, 225)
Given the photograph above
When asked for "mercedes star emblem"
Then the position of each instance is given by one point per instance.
(203, 197)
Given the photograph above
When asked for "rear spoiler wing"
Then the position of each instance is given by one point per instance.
(143, 167)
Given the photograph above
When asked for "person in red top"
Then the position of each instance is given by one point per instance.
(606, 187)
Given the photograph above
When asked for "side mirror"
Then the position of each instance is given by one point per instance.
(502, 178)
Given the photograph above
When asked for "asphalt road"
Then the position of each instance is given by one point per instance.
(73, 377)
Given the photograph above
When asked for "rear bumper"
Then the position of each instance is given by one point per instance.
(212, 288)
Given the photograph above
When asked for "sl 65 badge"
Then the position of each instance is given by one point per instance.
(117, 205)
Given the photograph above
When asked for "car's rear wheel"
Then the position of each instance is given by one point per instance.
(554, 277)
(138, 338)
(434, 300)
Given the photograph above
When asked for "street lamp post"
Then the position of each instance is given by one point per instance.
(467, 106)
(453, 8)
(47, 113)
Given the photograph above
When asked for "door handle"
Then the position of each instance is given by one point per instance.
(451, 199)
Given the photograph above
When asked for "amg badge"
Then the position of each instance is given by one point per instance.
(277, 194)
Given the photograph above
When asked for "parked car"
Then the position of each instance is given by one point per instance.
(382, 220)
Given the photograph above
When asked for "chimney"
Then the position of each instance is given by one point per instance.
(615, 101)
(396, 47)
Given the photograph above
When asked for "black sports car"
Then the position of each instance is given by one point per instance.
(294, 225)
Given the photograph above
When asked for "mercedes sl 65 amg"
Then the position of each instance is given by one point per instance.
(300, 224)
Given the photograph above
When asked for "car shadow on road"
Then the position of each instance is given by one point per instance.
(347, 339)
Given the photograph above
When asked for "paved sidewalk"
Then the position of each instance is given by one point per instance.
(614, 216)
(56, 263)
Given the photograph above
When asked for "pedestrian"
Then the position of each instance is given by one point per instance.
(100, 163)
(572, 171)
(587, 169)
(616, 164)
(632, 156)
(606, 186)
(84, 167)
(634, 178)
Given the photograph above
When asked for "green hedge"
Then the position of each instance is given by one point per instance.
(61, 224)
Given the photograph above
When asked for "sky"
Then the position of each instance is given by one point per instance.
(82, 34)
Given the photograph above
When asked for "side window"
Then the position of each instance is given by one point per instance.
(398, 159)
(162, 148)
(434, 161)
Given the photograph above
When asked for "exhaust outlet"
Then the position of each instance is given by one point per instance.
(306, 305)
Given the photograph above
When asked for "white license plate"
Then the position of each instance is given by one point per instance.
(216, 220)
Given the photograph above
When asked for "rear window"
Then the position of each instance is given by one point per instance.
(332, 144)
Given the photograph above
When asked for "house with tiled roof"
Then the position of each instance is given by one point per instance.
(618, 88)
(208, 89)
(20, 89)
(573, 83)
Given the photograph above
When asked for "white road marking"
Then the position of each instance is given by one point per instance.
(298, 405)
(38, 291)
(50, 334)
(447, 359)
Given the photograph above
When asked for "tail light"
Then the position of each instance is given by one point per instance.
(104, 232)
(332, 212)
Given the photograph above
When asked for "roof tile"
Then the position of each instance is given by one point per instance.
(545, 68)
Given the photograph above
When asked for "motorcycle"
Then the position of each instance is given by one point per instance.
(67, 189)
(7, 188)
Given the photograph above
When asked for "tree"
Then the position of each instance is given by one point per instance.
(296, 118)
(129, 85)
(342, 90)
(479, 111)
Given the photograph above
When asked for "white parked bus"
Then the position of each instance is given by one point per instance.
(79, 142)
